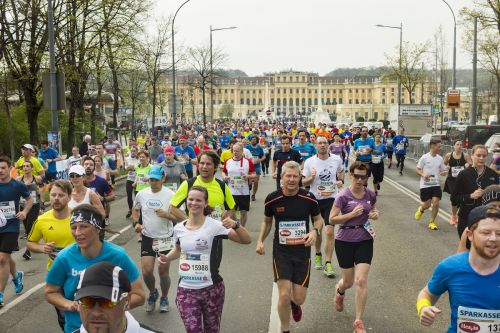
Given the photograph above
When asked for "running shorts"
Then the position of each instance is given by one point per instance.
(325, 206)
(147, 247)
(242, 202)
(350, 254)
(428, 193)
(294, 269)
(8, 242)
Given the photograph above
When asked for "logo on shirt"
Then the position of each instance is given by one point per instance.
(154, 204)
(201, 244)
(280, 209)
(325, 175)
(51, 228)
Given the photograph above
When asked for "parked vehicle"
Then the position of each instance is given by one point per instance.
(470, 134)
(492, 142)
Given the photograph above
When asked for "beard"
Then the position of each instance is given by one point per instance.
(483, 252)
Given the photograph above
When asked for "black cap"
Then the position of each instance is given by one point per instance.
(103, 279)
(491, 193)
(481, 213)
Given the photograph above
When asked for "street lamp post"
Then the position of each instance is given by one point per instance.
(454, 75)
(400, 28)
(174, 104)
(212, 72)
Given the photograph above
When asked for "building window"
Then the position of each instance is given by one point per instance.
(362, 90)
(383, 90)
(278, 79)
(356, 90)
(350, 91)
(284, 101)
(366, 115)
(296, 79)
(362, 101)
(340, 100)
(303, 79)
(369, 101)
(225, 101)
(303, 101)
(248, 101)
(260, 101)
(315, 101)
(272, 91)
(327, 101)
(340, 92)
(254, 102)
(284, 78)
(278, 102)
(334, 101)
(225, 91)
(297, 90)
(272, 101)
(201, 101)
(392, 89)
(392, 100)
(291, 90)
(350, 101)
(291, 102)
(297, 102)
(309, 101)
(375, 115)
(327, 91)
(242, 101)
(278, 90)
(232, 91)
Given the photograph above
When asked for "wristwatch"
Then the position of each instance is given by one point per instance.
(237, 225)
(317, 231)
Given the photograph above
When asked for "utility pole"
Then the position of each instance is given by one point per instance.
(474, 77)
(52, 67)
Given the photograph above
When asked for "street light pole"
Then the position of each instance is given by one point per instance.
(212, 73)
(174, 104)
(52, 67)
(400, 28)
(454, 75)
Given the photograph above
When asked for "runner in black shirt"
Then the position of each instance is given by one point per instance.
(291, 208)
(282, 156)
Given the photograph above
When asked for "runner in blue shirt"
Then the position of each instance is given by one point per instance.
(305, 149)
(186, 155)
(400, 143)
(50, 156)
(224, 140)
(471, 279)
(363, 148)
(258, 157)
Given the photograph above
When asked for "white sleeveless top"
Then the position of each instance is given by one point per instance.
(86, 200)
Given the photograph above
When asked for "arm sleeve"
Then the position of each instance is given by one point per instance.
(35, 233)
(128, 266)
(275, 156)
(339, 202)
(307, 171)
(251, 166)
(268, 209)
(56, 275)
(191, 153)
(220, 229)
(225, 168)
(180, 196)
(137, 201)
(420, 163)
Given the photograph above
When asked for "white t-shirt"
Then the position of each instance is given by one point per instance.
(200, 248)
(235, 170)
(131, 161)
(247, 153)
(147, 201)
(432, 166)
(324, 184)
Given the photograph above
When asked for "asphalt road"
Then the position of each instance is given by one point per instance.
(405, 254)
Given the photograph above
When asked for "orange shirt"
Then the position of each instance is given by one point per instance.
(324, 133)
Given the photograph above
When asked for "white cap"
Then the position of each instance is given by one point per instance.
(28, 146)
(78, 169)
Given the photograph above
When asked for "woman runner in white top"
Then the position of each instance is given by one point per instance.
(82, 194)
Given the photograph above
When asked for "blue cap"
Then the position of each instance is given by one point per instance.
(156, 172)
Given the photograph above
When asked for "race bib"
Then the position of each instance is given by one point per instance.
(400, 146)
(163, 244)
(8, 209)
(217, 213)
(181, 159)
(363, 150)
(368, 227)
(131, 175)
(326, 189)
(389, 141)
(194, 267)
(304, 154)
(237, 182)
(256, 160)
(376, 159)
(456, 170)
(477, 320)
(3, 220)
(433, 180)
(142, 181)
(292, 232)
(171, 186)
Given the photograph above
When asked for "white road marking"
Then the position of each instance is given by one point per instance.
(274, 321)
(31, 291)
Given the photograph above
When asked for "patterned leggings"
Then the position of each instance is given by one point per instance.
(201, 309)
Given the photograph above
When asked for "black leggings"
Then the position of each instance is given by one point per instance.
(130, 193)
(401, 161)
(31, 218)
(265, 164)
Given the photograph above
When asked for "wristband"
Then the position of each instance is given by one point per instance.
(422, 303)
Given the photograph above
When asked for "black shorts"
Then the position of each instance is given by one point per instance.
(325, 206)
(147, 248)
(242, 202)
(389, 153)
(8, 242)
(291, 268)
(49, 178)
(350, 254)
(430, 192)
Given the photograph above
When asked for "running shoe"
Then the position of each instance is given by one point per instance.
(27, 255)
(418, 214)
(1, 300)
(453, 220)
(151, 302)
(400, 173)
(378, 186)
(317, 263)
(338, 300)
(18, 282)
(432, 225)
(296, 312)
(129, 214)
(328, 270)
(164, 305)
(359, 327)
(253, 197)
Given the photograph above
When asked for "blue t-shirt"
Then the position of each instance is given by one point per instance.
(50, 154)
(100, 185)
(10, 193)
(306, 151)
(400, 142)
(257, 152)
(465, 286)
(188, 150)
(381, 150)
(224, 142)
(361, 144)
(69, 263)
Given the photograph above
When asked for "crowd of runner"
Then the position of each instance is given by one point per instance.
(189, 190)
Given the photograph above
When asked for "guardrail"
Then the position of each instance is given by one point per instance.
(417, 148)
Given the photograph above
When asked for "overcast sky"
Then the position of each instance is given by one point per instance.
(312, 35)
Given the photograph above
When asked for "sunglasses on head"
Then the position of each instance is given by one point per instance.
(89, 302)
(74, 175)
(360, 177)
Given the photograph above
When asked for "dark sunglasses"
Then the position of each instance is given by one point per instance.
(74, 175)
(360, 177)
(89, 302)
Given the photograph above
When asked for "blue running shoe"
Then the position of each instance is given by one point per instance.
(1, 300)
(18, 282)
(164, 305)
(151, 301)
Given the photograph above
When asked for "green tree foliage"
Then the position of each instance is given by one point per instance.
(226, 111)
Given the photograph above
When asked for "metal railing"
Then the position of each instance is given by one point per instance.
(417, 148)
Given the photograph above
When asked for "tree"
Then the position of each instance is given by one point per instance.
(134, 89)
(7, 86)
(199, 61)
(23, 41)
(153, 56)
(411, 73)
(226, 111)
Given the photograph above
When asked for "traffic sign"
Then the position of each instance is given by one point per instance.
(453, 98)
(437, 109)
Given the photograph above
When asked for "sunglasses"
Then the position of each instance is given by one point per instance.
(89, 302)
(74, 175)
(360, 177)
